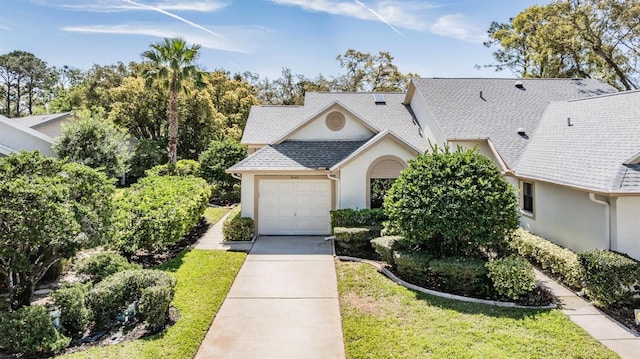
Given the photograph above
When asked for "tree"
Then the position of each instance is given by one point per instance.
(22, 72)
(173, 66)
(453, 204)
(572, 38)
(91, 140)
(50, 210)
(219, 156)
(366, 72)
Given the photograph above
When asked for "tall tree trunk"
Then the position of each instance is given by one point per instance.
(173, 122)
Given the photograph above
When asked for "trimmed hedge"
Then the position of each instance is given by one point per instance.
(103, 264)
(74, 315)
(158, 211)
(355, 242)
(180, 168)
(384, 247)
(357, 217)
(111, 296)
(561, 262)
(30, 331)
(236, 227)
(462, 276)
(610, 277)
(413, 266)
(512, 277)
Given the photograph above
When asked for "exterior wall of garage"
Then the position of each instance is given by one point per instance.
(624, 226)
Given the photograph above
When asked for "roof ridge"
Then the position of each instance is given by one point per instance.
(619, 93)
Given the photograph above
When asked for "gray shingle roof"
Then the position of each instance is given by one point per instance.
(37, 120)
(298, 155)
(590, 154)
(267, 124)
(462, 114)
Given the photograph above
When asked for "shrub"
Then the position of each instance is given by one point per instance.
(355, 242)
(158, 211)
(219, 156)
(561, 262)
(111, 296)
(512, 277)
(453, 204)
(103, 264)
(74, 315)
(149, 153)
(30, 331)
(384, 247)
(413, 266)
(236, 227)
(180, 168)
(357, 217)
(610, 277)
(463, 276)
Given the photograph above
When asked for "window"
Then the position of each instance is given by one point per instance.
(527, 197)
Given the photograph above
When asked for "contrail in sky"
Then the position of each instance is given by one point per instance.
(175, 17)
(378, 16)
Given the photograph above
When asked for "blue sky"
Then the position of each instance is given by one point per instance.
(431, 38)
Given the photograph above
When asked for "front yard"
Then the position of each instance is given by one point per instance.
(385, 320)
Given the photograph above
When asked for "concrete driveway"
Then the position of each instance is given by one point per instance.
(283, 304)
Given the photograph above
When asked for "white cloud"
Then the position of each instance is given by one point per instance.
(119, 5)
(4, 27)
(237, 39)
(458, 27)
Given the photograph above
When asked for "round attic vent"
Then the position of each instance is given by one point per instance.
(335, 121)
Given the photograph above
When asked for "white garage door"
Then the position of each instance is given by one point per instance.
(294, 207)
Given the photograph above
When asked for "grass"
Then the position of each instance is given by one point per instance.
(203, 280)
(385, 320)
(214, 214)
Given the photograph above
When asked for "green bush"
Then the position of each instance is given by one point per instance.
(236, 227)
(610, 277)
(29, 331)
(180, 168)
(103, 264)
(453, 204)
(462, 276)
(384, 247)
(357, 217)
(74, 315)
(561, 262)
(355, 242)
(413, 266)
(219, 156)
(512, 277)
(111, 296)
(158, 211)
(149, 153)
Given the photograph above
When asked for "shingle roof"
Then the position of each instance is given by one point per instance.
(591, 153)
(37, 120)
(496, 109)
(267, 124)
(297, 155)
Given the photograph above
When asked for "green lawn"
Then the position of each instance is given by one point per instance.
(203, 280)
(213, 214)
(385, 320)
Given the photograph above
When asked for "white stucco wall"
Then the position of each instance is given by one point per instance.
(353, 175)
(567, 217)
(52, 129)
(430, 128)
(247, 194)
(18, 137)
(625, 226)
(317, 130)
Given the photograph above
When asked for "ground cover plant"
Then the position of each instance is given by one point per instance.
(384, 320)
(214, 214)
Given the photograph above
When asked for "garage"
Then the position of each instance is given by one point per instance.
(294, 207)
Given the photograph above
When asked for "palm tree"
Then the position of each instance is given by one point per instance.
(172, 63)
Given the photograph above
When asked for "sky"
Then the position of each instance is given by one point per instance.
(433, 38)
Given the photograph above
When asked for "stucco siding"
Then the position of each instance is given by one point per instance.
(567, 217)
(430, 128)
(52, 129)
(353, 175)
(17, 138)
(247, 194)
(627, 217)
(317, 130)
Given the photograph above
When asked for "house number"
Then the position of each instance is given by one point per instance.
(295, 177)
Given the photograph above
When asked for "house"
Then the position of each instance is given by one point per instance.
(306, 160)
(50, 125)
(15, 137)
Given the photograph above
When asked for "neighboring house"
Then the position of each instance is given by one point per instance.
(306, 160)
(50, 125)
(15, 137)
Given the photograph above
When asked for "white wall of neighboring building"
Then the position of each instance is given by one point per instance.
(567, 217)
(353, 176)
(52, 128)
(626, 216)
(430, 127)
(18, 137)
(317, 130)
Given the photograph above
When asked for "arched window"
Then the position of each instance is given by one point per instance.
(380, 176)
